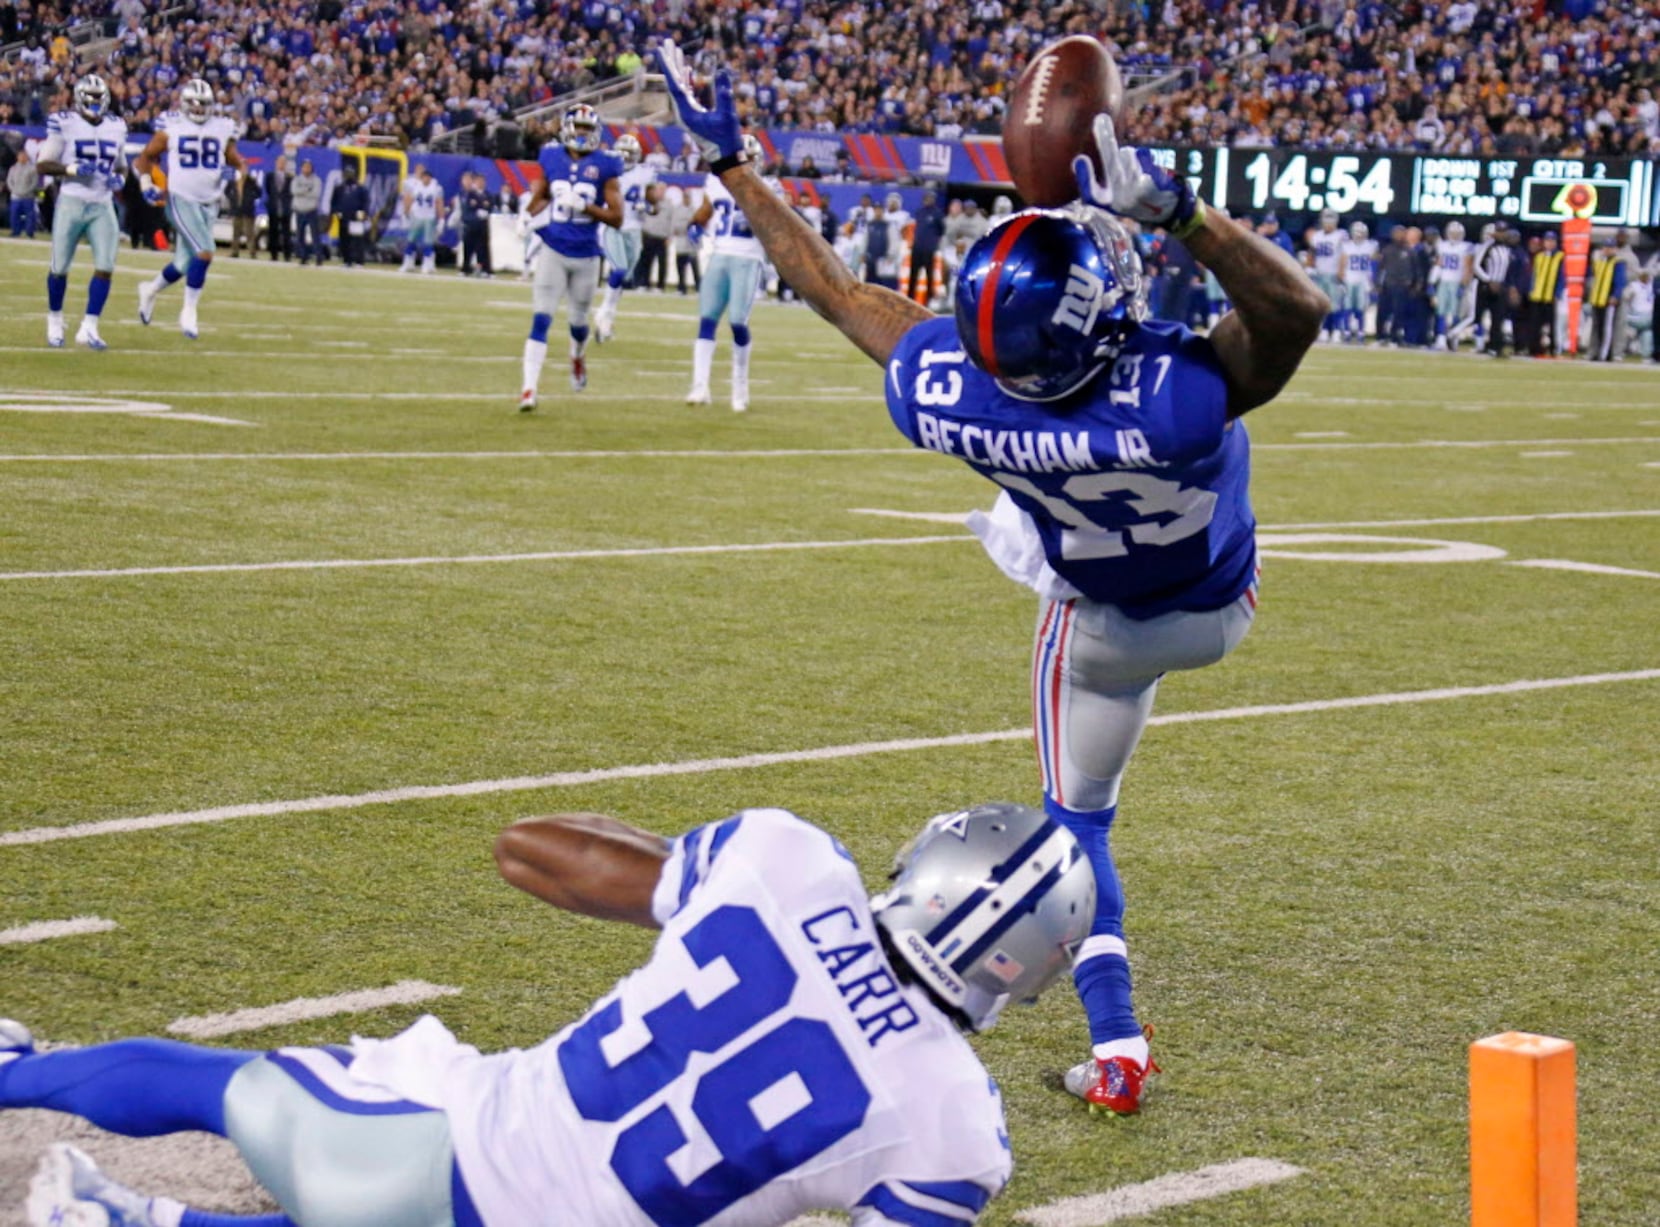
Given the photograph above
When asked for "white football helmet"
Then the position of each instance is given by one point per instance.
(628, 149)
(1455, 231)
(196, 100)
(987, 905)
(579, 130)
(1358, 231)
(92, 98)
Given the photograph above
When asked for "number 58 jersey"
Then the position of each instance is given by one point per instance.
(1132, 492)
(196, 155)
(765, 1062)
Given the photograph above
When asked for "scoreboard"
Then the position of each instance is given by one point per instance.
(1609, 191)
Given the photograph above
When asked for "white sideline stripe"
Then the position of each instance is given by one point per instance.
(1353, 445)
(1176, 1189)
(335, 564)
(1590, 568)
(694, 453)
(46, 930)
(701, 766)
(1503, 519)
(301, 1009)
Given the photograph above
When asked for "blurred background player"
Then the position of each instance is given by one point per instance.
(84, 148)
(476, 207)
(1123, 466)
(1605, 283)
(581, 188)
(423, 204)
(201, 156)
(730, 283)
(1451, 277)
(624, 243)
(1357, 273)
(1325, 247)
(838, 1015)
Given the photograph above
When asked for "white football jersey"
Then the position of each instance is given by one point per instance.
(1327, 249)
(1358, 255)
(634, 183)
(196, 155)
(1450, 257)
(729, 226)
(765, 1062)
(97, 147)
(421, 199)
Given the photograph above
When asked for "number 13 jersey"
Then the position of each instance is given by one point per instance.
(1132, 492)
(763, 1063)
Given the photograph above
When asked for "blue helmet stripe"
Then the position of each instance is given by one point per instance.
(997, 876)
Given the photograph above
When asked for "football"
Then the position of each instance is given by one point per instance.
(1050, 114)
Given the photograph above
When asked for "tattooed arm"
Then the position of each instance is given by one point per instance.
(1277, 311)
(871, 317)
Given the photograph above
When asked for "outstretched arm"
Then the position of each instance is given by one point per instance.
(871, 317)
(585, 863)
(1277, 311)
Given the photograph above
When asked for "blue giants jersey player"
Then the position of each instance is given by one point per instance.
(1115, 442)
(562, 225)
(1122, 494)
(791, 1045)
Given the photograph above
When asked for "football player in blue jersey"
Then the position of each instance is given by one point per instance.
(580, 189)
(1117, 446)
(785, 1020)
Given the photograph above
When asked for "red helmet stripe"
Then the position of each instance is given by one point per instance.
(988, 290)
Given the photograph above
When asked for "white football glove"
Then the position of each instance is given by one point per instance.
(1134, 185)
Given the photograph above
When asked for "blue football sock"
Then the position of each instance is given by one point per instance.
(97, 294)
(206, 1218)
(706, 329)
(740, 334)
(579, 333)
(170, 273)
(56, 288)
(614, 279)
(139, 1088)
(1102, 979)
(539, 325)
(195, 276)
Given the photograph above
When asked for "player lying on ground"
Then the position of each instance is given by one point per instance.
(1116, 443)
(790, 1045)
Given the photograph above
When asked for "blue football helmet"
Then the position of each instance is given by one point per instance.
(1046, 299)
(579, 130)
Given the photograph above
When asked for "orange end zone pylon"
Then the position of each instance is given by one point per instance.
(1523, 1147)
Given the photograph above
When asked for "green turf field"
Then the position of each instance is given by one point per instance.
(1326, 906)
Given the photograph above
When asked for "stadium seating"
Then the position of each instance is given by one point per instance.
(1459, 77)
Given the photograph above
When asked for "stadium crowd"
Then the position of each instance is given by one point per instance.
(1560, 77)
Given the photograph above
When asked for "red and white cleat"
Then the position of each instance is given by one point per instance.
(1115, 1084)
(579, 374)
(527, 400)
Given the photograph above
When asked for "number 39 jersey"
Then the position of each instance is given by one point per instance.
(765, 1062)
(196, 155)
(95, 147)
(1132, 492)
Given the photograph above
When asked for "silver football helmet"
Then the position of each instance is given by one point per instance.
(1357, 231)
(754, 150)
(1328, 220)
(1455, 231)
(196, 100)
(92, 97)
(987, 906)
(628, 149)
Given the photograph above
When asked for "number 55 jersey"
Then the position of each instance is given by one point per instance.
(765, 1062)
(1131, 492)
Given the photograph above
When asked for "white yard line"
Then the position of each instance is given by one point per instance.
(46, 930)
(336, 564)
(1361, 445)
(1176, 1189)
(702, 766)
(954, 517)
(1544, 455)
(690, 453)
(301, 1009)
(1590, 568)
